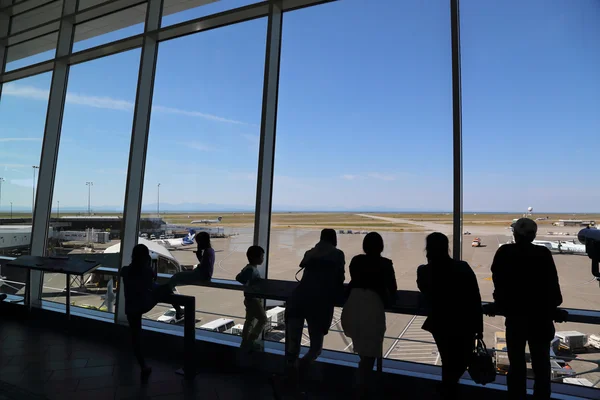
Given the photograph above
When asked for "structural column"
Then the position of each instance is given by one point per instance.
(4, 30)
(266, 159)
(50, 144)
(139, 143)
(457, 131)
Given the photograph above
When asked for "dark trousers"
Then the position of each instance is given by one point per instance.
(539, 337)
(135, 327)
(455, 352)
(294, 333)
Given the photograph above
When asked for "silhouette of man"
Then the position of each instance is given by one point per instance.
(527, 293)
(455, 317)
(313, 300)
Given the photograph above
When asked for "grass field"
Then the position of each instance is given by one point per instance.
(347, 220)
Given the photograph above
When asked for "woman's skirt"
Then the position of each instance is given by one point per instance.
(363, 320)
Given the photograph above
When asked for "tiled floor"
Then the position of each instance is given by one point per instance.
(41, 364)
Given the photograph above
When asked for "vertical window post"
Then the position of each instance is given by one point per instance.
(266, 157)
(139, 143)
(457, 131)
(4, 29)
(50, 144)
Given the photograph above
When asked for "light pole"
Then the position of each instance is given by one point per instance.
(58, 210)
(11, 210)
(1, 180)
(158, 201)
(89, 185)
(33, 190)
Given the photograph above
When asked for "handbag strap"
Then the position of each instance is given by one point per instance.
(481, 345)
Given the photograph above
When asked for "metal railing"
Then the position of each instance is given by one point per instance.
(575, 315)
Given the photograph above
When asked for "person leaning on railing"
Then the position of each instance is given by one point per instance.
(313, 300)
(141, 295)
(372, 288)
(455, 316)
(527, 292)
(203, 271)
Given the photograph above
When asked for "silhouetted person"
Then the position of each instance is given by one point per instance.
(527, 293)
(203, 271)
(455, 317)
(372, 288)
(313, 300)
(256, 318)
(141, 295)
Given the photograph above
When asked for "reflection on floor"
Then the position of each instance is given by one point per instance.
(46, 362)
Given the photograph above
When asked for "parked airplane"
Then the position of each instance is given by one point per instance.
(177, 243)
(207, 221)
(562, 247)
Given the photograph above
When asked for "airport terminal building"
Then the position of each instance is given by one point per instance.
(263, 122)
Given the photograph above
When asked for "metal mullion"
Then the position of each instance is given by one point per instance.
(5, 20)
(171, 32)
(76, 58)
(51, 29)
(50, 145)
(213, 21)
(266, 157)
(25, 72)
(89, 14)
(139, 144)
(105, 50)
(456, 132)
(291, 5)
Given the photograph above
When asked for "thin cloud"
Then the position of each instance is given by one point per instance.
(17, 139)
(170, 110)
(349, 177)
(198, 146)
(28, 183)
(15, 165)
(382, 177)
(110, 103)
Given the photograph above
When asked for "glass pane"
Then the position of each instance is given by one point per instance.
(574, 351)
(23, 114)
(175, 11)
(89, 189)
(31, 52)
(364, 137)
(113, 27)
(527, 95)
(531, 96)
(203, 155)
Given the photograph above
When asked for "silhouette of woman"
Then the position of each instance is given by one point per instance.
(372, 288)
(138, 279)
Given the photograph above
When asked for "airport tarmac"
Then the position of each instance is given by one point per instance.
(406, 249)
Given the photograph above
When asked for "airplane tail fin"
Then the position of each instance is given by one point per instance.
(189, 239)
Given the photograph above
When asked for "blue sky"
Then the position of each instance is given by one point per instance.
(365, 111)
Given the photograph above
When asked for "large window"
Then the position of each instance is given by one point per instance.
(364, 138)
(90, 179)
(203, 154)
(23, 114)
(531, 95)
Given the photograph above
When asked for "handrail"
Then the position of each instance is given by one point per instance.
(407, 301)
